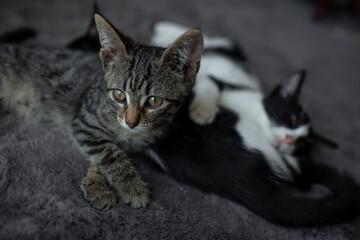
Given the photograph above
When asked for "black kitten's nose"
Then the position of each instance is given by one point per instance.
(131, 124)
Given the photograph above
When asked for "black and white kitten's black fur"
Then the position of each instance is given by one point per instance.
(253, 150)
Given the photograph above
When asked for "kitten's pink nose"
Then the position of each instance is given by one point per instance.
(289, 139)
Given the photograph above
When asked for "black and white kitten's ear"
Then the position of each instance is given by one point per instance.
(92, 30)
(275, 91)
(318, 140)
(114, 45)
(292, 88)
(185, 53)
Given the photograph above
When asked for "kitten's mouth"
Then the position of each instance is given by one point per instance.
(288, 140)
(134, 130)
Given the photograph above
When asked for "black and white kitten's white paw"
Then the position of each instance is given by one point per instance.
(135, 193)
(202, 112)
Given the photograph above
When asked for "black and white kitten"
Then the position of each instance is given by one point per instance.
(215, 158)
(251, 149)
(225, 79)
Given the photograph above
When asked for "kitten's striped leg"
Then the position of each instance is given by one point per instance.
(114, 165)
(124, 178)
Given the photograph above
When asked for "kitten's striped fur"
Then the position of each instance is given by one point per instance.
(70, 87)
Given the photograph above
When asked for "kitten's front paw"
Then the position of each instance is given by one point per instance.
(202, 113)
(95, 190)
(103, 200)
(135, 193)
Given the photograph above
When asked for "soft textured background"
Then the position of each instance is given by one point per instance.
(40, 169)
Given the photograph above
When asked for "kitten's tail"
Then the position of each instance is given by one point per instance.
(283, 207)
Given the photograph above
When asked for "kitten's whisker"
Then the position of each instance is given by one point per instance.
(115, 124)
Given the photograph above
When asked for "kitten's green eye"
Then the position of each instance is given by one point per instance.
(154, 102)
(119, 95)
(293, 120)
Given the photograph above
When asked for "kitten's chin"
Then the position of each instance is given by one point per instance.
(285, 148)
(147, 134)
(135, 130)
(282, 146)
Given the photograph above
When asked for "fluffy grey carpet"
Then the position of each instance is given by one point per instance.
(40, 168)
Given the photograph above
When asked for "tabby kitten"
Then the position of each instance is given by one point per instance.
(112, 115)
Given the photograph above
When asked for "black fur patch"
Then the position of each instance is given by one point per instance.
(214, 159)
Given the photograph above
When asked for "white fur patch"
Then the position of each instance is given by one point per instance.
(254, 126)
(204, 107)
(292, 161)
(280, 133)
(154, 156)
(205, 104)
(167, 32)
(227, 70)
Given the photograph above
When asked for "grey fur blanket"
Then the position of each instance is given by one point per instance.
(40, 167)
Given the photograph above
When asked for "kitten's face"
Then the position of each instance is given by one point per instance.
(144, 93)
(146, 85)
(289, 122)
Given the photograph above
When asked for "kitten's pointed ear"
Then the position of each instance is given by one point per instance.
(185, 53)
(275, 91)
(293, 87)
(114, 45)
